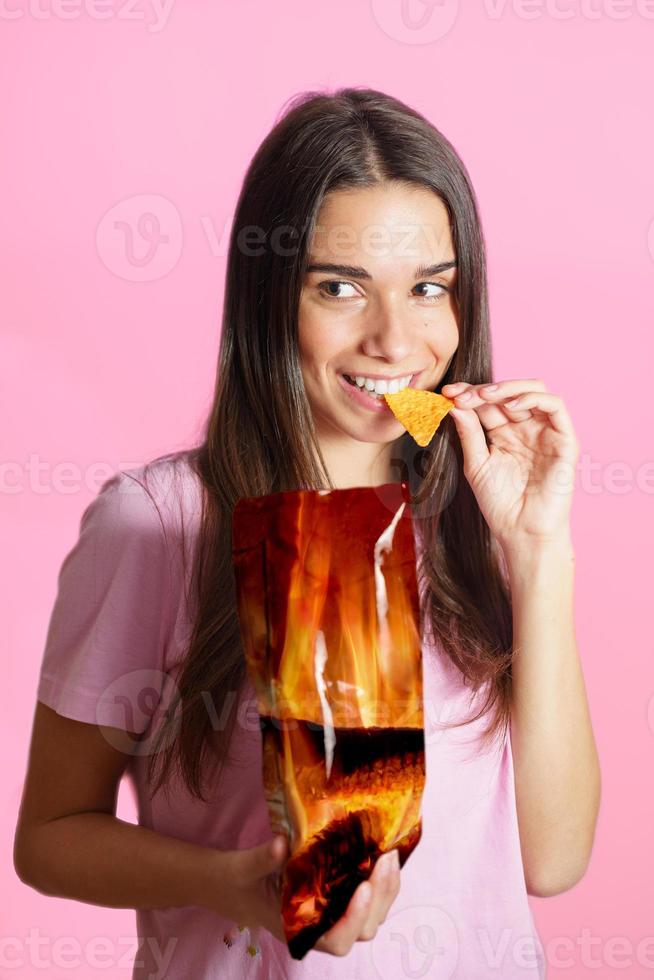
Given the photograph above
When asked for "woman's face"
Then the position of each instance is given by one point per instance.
(373, 307)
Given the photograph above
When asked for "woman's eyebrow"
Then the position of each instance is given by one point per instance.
(357, 272)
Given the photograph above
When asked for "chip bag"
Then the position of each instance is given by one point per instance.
(329, 616)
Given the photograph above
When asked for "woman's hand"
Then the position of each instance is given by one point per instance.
(367, 908)
(248, 881)
(523, 478)
(246, 889)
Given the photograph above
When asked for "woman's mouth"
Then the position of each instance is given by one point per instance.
(373, 395)
(369, 392)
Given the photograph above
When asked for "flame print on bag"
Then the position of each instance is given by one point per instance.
(330, 622)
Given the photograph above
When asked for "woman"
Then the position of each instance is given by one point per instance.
(356, 258)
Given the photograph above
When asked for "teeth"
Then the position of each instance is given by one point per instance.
(379, 386)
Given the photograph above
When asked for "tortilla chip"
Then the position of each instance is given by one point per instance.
(420, 412)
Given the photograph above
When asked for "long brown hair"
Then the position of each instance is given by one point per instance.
(259, 437)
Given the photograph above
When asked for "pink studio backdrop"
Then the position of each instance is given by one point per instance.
(109, 326)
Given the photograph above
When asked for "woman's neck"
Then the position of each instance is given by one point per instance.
(359, 464)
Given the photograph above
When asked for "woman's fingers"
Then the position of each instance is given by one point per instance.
(339, 939)
(365, 913)
(501, 389)
(386, 880)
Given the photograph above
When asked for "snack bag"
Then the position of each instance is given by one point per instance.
(330, 622)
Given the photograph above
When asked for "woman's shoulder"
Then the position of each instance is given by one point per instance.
(120, 592)
(164, 493)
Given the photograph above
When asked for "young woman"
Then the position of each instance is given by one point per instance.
(356, 260)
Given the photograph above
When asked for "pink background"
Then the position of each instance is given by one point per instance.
(109, 338)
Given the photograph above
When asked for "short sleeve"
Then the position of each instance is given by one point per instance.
(103, 661)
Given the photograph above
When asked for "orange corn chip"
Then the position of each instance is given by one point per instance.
(420, 412)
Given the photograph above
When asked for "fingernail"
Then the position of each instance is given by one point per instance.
(390, 862)
(490, 387)
(464, 395)
(384, 865)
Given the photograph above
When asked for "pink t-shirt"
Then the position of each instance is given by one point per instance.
(116, 637)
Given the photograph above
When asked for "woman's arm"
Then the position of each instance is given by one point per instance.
(556, 765)
(69, 842)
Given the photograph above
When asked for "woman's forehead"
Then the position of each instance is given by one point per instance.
(363, 227)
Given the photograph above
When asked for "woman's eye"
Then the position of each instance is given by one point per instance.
(439, 286)
(330, 287)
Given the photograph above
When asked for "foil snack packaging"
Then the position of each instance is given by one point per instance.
(330, 624)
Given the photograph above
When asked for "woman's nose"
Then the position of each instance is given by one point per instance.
(390, 340)
(391, 337)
